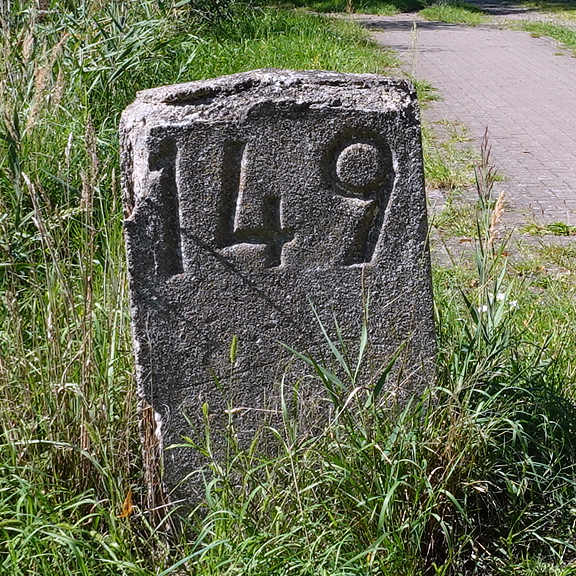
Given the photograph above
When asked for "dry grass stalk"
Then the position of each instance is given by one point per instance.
(86, 196)
(92, 150)
(58, 90)
(46, 239)
(156, 498)
(42, 73)
(495, 219)
(28, 44)
(89, 183)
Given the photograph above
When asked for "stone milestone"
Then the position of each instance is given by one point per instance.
(256, 204)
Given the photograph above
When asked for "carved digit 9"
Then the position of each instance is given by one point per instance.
(363, 170)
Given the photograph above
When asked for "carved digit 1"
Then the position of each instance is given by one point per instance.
(166, 229)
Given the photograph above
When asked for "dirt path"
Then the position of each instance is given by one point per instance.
(520, 87)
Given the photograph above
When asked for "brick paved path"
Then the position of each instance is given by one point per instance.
(518, 87)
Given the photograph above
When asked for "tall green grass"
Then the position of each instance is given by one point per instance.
(476, 474)
(69, 449)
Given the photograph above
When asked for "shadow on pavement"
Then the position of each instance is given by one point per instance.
(373, 23)
(503, 8)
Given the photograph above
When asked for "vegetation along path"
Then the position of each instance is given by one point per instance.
(519, 87)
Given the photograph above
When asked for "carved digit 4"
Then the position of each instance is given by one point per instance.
(255, 220)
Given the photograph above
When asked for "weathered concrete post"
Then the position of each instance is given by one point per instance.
(249, 200)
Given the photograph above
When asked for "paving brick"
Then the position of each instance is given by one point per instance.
(513, 84)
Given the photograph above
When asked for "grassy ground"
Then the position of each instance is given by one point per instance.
(384, 7)
(559, 8)
(554, 229)
(454, 12)
(565, 36)
(451, 12)
(450, 158)
(481, 480)
(69, 452)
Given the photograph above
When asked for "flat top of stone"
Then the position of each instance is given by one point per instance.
(228, 96)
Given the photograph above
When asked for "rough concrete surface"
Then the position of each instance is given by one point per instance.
(251, 201)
